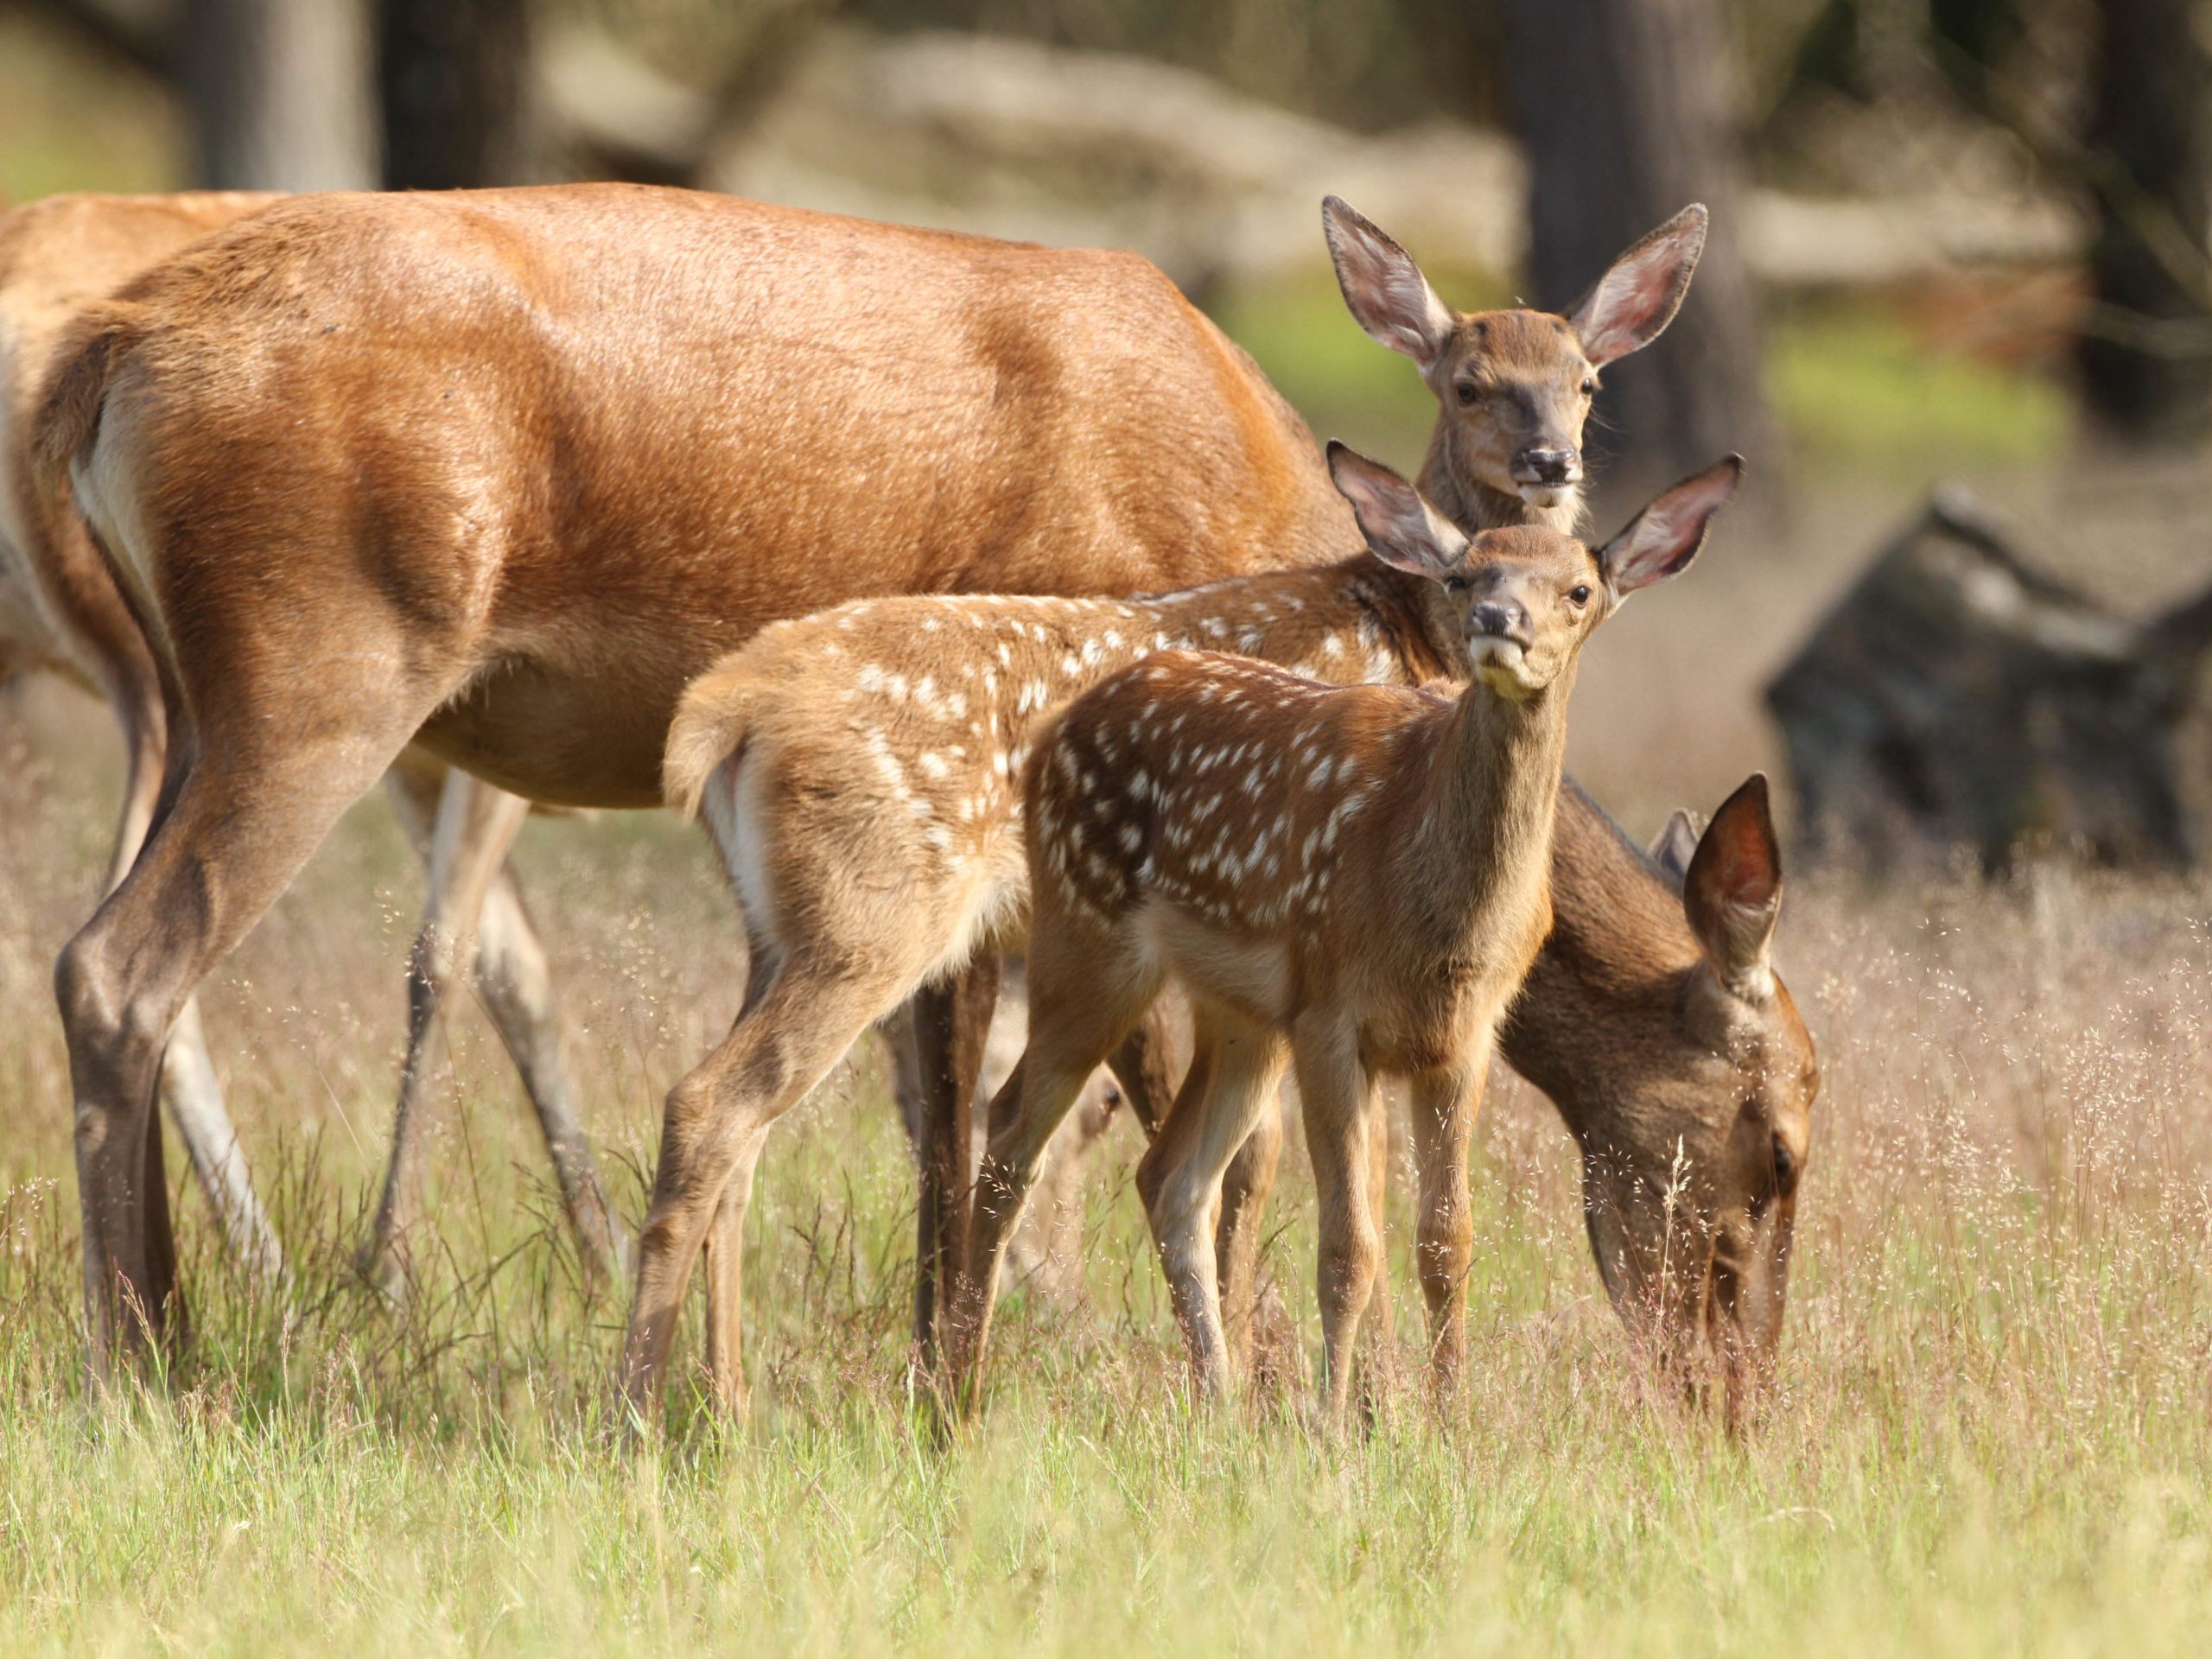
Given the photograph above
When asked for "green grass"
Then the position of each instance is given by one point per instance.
(1990, 1433)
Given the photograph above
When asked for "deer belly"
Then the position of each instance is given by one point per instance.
(1251, 975)
(570, 741)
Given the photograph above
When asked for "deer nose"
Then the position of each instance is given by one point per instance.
(1550, 466)
(1501, 618)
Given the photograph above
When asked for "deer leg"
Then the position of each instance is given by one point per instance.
(800, 1017)
(194, 1098)
(950, 1026)
(188, 1085)
(476, 825)
(1229, 1089)
(1144, 1065)
(1244, 1188)
(1334, 1093)
(517, 986)
(1444, 1106)
(1084, 996)
(243, 821)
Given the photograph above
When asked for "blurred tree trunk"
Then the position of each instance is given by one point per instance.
(450, 85)
(279, 93)
(2153, 120)
(1626, 111)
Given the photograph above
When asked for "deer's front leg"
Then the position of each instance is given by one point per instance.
(1332, 1091)
(1444, 1106)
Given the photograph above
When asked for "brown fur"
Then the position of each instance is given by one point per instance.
(61, 611)
(1354, 880)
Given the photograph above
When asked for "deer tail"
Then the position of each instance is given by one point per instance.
(713, 720)
(75, 393)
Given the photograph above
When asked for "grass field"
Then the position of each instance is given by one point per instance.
(1990, 1433)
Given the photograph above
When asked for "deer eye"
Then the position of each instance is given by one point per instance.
(1785, 1168)
(1470, 392)
(1590, 386)
(1581, 593)
(1455, 584)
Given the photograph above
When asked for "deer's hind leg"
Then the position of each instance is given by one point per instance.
(801, 1013)
(249, 807)
(951, 1024)
(1230, 1089)
(1087, 989)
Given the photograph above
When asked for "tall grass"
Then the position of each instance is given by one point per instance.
(1990, 1433)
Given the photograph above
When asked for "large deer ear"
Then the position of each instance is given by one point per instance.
(1388, 296)
(1661, 540)
(1637, 297)
(1403, 529)
(1733, 892)
(1674, 846)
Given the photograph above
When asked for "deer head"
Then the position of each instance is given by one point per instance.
(1515, 387)
(1524, 599)
(1689, 1205)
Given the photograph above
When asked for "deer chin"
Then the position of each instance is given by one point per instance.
(1546, 495)
(1501, 665)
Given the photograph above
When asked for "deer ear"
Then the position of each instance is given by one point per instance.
(1388, 296)
(1402, 530)
(1661, 540)
(1732, 892)
(1637, 297)
(1672, 847)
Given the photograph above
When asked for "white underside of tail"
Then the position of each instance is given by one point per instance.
(731, 805)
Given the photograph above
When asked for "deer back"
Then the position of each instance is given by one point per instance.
(605, 433)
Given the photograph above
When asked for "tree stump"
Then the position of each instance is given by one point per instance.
(1956, 697)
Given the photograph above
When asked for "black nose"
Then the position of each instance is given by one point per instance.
(1550, 466)
(1501, 619)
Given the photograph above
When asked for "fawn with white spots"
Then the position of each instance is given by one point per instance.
(1350, 879)
(860, 768)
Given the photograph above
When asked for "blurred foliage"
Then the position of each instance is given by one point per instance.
(73, 119)
(1857, 387)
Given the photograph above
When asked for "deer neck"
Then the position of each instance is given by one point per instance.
(1612, 968)
(1492, 802)
(1449, 480)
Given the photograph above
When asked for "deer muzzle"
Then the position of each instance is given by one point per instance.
(1545, 474)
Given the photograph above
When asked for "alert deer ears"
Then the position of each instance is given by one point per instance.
(1661, 540)
(1672, 847)
(1402, 530)
(1388, 296)
(1637, 297)
(1732, 892)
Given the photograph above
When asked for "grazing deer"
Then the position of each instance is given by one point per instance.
(504, 470)
(1655, 1021)
(61, 612)
(1351, 879)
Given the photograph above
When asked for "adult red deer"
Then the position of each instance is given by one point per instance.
(61, 612)
(502, 470)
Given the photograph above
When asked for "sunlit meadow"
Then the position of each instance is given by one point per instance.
(1990, 1433)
